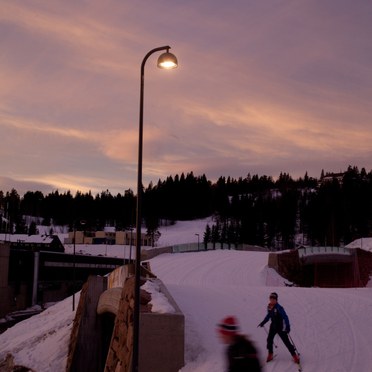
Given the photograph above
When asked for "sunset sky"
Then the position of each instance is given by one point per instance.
(263, 87)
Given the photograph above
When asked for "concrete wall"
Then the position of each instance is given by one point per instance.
(4, 268)
(364, 262)
(148, 254)
(162, 339)
(15, 297)
(286, 264)
(273, 261)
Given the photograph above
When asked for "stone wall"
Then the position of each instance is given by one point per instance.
(161, 336)
(121, 346)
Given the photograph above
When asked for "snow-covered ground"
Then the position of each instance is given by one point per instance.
(41, 342)
(332, 328)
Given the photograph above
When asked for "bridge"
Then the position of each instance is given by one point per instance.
(30, 276)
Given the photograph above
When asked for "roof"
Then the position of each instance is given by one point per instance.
(24, 238)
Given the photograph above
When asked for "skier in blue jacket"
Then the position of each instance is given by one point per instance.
(279, 325)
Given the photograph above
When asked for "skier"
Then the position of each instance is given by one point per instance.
(241, 353)
(279, 325)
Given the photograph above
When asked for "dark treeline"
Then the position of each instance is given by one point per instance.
(332, 210)
(67, 210)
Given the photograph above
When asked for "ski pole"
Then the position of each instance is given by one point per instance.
(275, 345)
(290, 339)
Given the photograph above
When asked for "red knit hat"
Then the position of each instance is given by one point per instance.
(228, 326)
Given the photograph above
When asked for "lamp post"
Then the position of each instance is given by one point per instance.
(73, 272)
(130, 243)
(165, 61)
(74, 265)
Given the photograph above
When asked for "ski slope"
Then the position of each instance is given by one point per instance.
(332, 328)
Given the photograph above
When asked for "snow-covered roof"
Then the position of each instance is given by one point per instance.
(24, 238)
(362, 243)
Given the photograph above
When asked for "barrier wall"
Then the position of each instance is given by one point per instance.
(161, 347)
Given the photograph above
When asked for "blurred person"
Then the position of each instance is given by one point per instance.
(241, 353)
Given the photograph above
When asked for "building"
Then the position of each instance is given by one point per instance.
(329, 177)
(127, 237)
(32, 274)
(33, 243)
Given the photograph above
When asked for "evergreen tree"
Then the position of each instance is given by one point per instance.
(32, 230)
(207, 236)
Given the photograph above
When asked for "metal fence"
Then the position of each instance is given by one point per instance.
(195, 247)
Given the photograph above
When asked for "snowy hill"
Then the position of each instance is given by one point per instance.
(332, 328)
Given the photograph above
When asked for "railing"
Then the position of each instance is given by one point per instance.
(195, 247)
(308, 251)
(192, 247)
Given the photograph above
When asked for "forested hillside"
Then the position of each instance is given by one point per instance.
(332, 210)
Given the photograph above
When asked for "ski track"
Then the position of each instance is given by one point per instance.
(218, 285)
(348, 331)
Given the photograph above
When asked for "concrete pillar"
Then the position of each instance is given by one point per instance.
(4, 272)
(36, 278)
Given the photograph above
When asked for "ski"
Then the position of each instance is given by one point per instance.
(299, 366)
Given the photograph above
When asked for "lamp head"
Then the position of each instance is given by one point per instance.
(167, 61)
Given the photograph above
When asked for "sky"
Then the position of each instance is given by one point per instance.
(331, 327)
(262, 87)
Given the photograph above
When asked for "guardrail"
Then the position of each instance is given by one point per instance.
(195, 247)
(309, 251)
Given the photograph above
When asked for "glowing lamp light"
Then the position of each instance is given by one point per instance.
(167, 61)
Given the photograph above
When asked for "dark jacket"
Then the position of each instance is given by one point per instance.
(242, 356)
(279, 318)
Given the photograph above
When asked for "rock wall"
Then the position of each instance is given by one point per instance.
(120, 351)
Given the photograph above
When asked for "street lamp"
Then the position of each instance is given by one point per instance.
(73, 273)
(74, 265)
(165, 61)
(130, 243)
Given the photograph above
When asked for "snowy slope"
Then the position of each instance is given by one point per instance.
(41, 342)
(332, 328)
